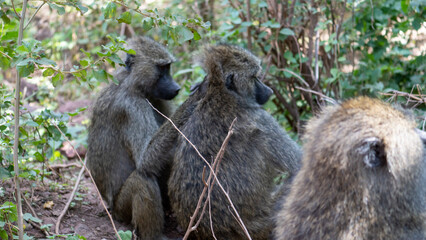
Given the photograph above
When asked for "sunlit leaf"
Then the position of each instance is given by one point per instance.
(110, 10)
(125, 17)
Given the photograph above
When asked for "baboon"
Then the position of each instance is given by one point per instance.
(144, 194)
(362, 177)
(123, 122)
(258, 151)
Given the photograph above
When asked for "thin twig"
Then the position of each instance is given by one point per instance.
(13, 6)
(46, 233)
(418, 97)
(208, 186)
(4, 54)
(16, 133)
(91, 178)
(77, 182)
(316, 59)
(328, 99)
(294, 74)
(29, 21)
(211, 171)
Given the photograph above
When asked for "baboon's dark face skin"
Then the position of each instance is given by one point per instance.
(262, 92)
(257, 89)
(165, 88)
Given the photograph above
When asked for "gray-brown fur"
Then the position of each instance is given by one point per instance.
(257, 152)
(144, 194)
(122, 120)
(362, 177)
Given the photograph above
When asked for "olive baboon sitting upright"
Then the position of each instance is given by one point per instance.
(123, 122)
(362, 177)
(257, 151)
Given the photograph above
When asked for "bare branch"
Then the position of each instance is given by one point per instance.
(208, 186)
(91, 178)
(77, 182)
(38, 9)
(210, 167)
(328, 99)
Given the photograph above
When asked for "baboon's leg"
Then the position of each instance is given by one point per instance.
(140, 198)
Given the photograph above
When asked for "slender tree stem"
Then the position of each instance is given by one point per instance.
(16, 138)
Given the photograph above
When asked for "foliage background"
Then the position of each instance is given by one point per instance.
(312, 52)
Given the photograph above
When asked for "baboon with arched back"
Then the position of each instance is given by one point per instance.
(257, 152)
(362, 177)
(144, 194)
(123, 122)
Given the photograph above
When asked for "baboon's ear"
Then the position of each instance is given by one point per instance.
(372, 152)
(422, 135)
(129, 61)
(230, 83)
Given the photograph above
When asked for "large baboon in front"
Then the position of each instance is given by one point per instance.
(122, 120)
(258, 151)
(363, 176)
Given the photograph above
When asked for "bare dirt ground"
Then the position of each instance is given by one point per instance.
(86, 216)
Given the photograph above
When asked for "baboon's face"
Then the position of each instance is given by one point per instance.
(248, 87)
(165, 87)
(156, 80)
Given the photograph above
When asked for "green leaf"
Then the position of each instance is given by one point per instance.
(404, 5)
(13, 35)
(82, 8)
(28, 216)
(287, 32)
(45, 61)
(57, 79)
(48, 72)
(84, 63)
(61, 10)
(127, 235)
(125, 17)
(334, 72)
(23, 131)
(25, 67)
(4, 174)
(341, 59)
(183, 34)
(22, 49)
(101, 75)
(147, 23)
(110, 10)
(4, 17)
(196, 34)
(417, 23)
(39, 157)
(288, 55)
(3, 234)
(115, 58)
(10, 209)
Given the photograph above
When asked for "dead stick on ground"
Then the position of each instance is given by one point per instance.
(211, 170)
(93, 181)
(46, 233)
(77, 182)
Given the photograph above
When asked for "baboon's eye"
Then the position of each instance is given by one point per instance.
(164, 68)
(230, 83)
(129, 61)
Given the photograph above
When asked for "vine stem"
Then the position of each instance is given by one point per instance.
(16, 137)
